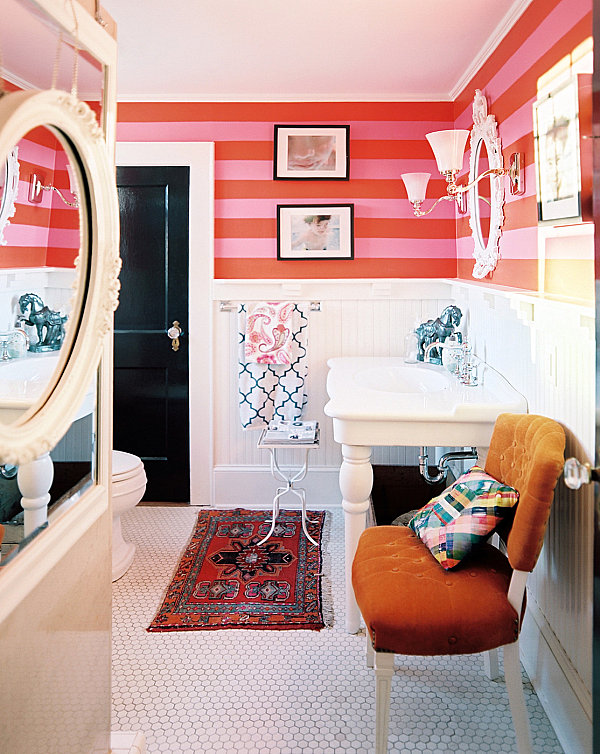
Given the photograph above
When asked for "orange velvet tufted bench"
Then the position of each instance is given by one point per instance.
(411, 605)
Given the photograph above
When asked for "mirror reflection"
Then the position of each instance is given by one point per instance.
(74, 471)
(483, 193)
(38, 273)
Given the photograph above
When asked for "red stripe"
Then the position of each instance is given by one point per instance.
(358, 268)
(334, 190)
(23, 256)
(521, 273)
(319, 113)
(61, 257)
(364, 227)
(361, 149)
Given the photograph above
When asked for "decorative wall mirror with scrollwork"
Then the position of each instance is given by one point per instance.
(28, 431)
(9, 187)
(486, 197)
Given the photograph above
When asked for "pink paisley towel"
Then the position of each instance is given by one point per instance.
(269, 333)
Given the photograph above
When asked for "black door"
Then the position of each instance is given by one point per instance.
(151, 401)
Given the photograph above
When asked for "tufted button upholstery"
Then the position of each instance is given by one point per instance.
(411, 606)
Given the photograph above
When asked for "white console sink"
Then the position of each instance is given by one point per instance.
(384, 401)
(23, 381)
(402, 379)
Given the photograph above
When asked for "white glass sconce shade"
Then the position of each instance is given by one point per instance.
(416, 185)
(448, 148)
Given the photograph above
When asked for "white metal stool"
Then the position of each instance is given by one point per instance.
(290, 479)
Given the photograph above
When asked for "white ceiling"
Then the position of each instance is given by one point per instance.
(309, 50)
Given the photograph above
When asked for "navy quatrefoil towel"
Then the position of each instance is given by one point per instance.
(273, 391)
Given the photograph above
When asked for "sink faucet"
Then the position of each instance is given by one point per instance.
(7, 337)
(462, 365)
(451, 343)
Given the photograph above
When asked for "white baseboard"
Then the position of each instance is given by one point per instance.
(562, 693)
(254, 487)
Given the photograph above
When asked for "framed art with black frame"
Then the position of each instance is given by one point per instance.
(315, 231)
(311, 153)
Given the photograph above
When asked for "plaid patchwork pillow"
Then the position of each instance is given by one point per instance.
(463, 515)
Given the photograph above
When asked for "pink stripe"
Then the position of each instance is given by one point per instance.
(364, 248)
(384, 208)
(66, 238)
(405, 248)
(391, 168)
(37, 154)
(23, 194)
(514, 244)
(26, 235)
(243, 170)
(556, 24)
(252, 131)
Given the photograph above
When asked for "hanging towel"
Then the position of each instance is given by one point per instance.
(269, 333)
(273, 391)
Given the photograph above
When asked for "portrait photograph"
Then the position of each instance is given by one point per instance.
(315, 231)
(311, 153)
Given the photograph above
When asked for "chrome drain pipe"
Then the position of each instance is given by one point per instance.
(453, 455)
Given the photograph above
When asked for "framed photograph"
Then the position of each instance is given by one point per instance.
(323, 231)
(311, 153)
(558, 167)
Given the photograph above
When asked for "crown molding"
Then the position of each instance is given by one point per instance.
(26, 85)
(513, 14)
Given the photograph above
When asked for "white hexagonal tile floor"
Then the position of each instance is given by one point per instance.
(290, 692)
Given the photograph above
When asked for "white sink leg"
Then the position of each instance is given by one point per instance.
(356, 483)
(34, 480)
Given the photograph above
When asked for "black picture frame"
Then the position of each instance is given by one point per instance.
(311, 153)
(315, 232)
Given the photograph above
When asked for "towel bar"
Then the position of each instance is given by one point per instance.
(228, 306)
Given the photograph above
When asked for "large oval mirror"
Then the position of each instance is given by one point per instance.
(63, 320)
(46, 254)
(486, 196)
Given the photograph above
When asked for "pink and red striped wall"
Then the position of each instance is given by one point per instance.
(546, 32)
(385, 139)
(44, 234)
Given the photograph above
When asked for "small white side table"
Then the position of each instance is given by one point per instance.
(290, 479)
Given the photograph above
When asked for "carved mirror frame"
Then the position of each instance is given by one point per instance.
(96, 286)
(9, 193)
(485, 131)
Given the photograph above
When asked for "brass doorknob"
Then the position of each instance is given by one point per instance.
(175, 332)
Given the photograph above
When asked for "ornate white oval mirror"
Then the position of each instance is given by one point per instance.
(486, 197)
(63, 342)
(9, 186)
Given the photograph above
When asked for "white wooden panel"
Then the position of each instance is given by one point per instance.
(546, 350)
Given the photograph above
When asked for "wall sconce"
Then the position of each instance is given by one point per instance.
(36, 186)
(448, 148)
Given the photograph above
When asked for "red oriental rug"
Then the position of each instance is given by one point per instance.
(226, 580)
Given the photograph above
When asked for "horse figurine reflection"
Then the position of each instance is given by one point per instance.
(436, 331)
(49, 325)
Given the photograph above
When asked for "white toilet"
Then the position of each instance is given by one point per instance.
(128, 487)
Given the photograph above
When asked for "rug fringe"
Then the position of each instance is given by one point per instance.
(326, 589)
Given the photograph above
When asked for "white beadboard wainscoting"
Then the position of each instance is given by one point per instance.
(546, 350)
